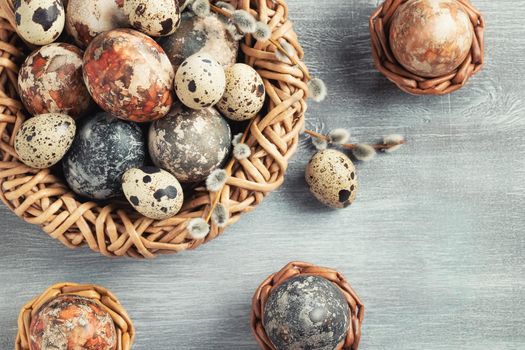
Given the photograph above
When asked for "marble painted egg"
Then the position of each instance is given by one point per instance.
(39, 22)
(200, 81)
(50, 81)
(332, 179)
(42, 141)
(306, 312)
(431, 38)
(190, 144)
(153, 17)
(201, 35)
(153, 192)
(72, 322)
(129, 75)
(244, 94)
(86, 19)
(104, 149)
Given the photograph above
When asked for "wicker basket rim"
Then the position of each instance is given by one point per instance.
(42, 199)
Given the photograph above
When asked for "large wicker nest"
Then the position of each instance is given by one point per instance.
(42, 198)
(386, 63)
(357, 309)
(103, 297)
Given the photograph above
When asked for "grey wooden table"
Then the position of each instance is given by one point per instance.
(434, 245)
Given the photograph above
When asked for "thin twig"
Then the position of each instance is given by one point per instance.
(351, 146)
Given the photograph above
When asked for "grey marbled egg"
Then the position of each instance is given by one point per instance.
(43, 140)
(190, 144)
(306, 313)
(153, 192)
(244, 95)
(39, 22)
(201, 35)
(200, 81)
(332, 178)
(105, 147)
(153, 17)
(86, 19)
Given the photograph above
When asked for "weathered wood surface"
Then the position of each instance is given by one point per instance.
(434, 245)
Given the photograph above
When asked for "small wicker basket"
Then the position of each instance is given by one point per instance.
(103, 297)
(386, 63)
(42, 198)
(357, 309)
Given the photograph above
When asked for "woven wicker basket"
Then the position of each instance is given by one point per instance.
(357, 309)
(386, 63)
(41, 198)
(103, 297)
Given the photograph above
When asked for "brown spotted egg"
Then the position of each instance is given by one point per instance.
(196, 35)
(43, 140)
(129, 75)
(244, 94)
(39, 22)
(332, 179)
(86, 19)
(200, 81)
(153, 192)
(190, 144)
(50, 81)
(153, 17)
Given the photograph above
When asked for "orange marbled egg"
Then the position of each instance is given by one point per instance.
(431, 38)
(72, 322)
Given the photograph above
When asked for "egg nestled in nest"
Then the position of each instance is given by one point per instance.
(39, 22)
(153, 17)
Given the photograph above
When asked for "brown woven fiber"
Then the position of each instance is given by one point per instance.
(100, 295)
(357, 309)
(41, 198)
(386, 63)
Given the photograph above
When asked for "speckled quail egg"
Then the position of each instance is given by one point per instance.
(200, 81)
(190, 144)
(43, 140)
(86, 19)
(39, 22)
(153, 17)
(332, 179)
(201, 35)
(105, 147)
(244, 94)
(129, 75)
(153, 192)
(50, 81)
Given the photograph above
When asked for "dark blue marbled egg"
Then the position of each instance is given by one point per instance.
(306, 313)
(104, 148)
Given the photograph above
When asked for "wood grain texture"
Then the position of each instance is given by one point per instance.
(434, 245)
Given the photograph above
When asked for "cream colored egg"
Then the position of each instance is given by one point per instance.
(332, 178)
(86, 19)
(244, 95)
(43, 140)
(153, 17)
(39, 22)
(153, 192)
(200, 81)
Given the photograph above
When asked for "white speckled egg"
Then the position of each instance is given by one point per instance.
(153, 192)
(244, 94)
(39, 22)
(153, 17)
(86, 19)
(332, 179)
(43, 140)
(200, 81)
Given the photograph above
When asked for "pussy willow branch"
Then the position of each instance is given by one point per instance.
(274, 42)
(378, 146)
